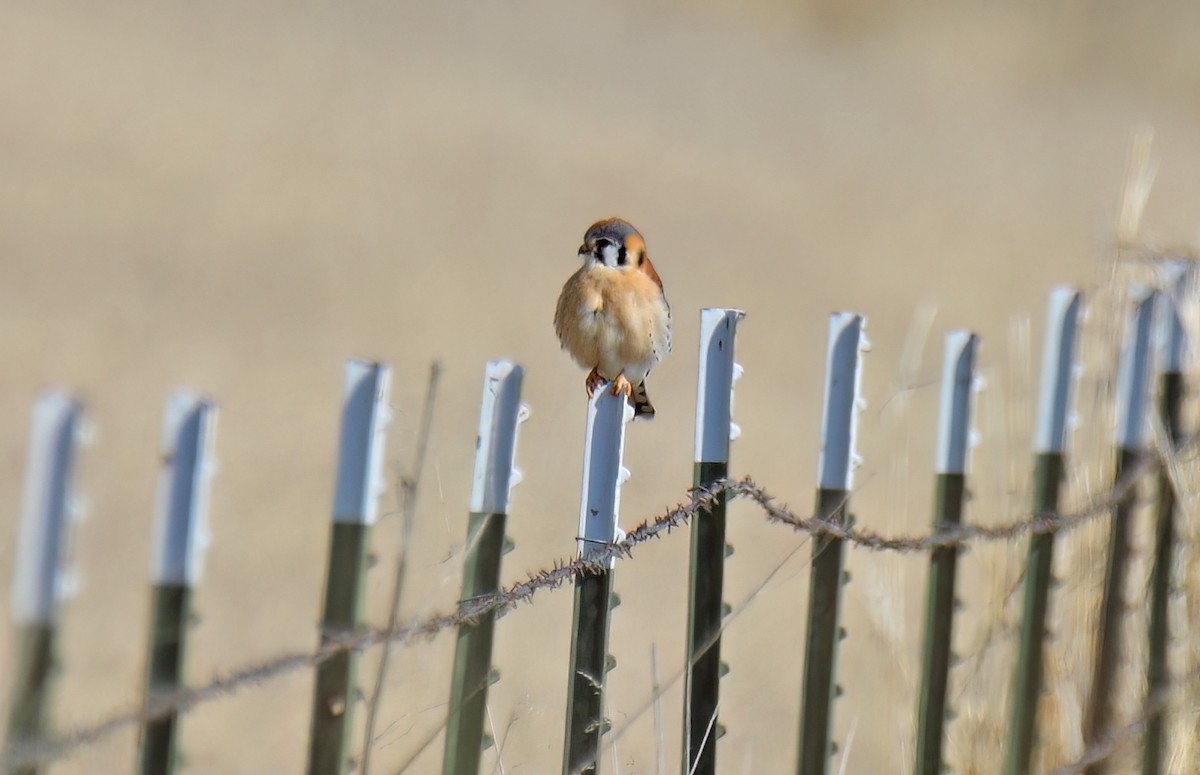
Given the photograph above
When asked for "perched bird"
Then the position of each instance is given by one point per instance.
(612, 314)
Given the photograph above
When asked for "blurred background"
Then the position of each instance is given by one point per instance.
(237, 197)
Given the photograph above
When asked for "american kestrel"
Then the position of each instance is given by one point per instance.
(612, 314)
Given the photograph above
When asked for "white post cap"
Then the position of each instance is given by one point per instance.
(1133, 372)
(843, 403)
(365, 417)
(496, 445)
(714, 389)
(603, 473)
(1058, 370)
(40, 577)
(181, 532)
(958, 388)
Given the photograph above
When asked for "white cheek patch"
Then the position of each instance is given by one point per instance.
(608, 255)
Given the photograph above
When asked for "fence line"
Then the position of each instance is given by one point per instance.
(495, 475)
(49, 505)
(1050, 460)
(950, 490)
(1166, 425)
(715, 430)
(365, 417)
(30, 753)
(181, 536)
(835, 485)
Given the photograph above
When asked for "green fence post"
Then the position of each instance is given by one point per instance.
(602, 477)
(181, 535)
(839, 426)
(365, 415)
(718, 329)
(1049, 445)
(495, 475)
(1171, 366)
(1132, 400)
(954, 439)
(40, 573)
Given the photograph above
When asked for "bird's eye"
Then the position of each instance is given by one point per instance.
(603, 243)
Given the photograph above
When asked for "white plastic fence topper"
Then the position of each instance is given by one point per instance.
(843, 382)
(1133, 372)
(365, 417)
(40, 579)
(1058, 368)
(958, 389)
(181, 532)
(604, 446)
(496, 446)
(1180, 284)
(714, 389)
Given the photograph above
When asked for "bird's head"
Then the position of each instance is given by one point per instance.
(613, 243)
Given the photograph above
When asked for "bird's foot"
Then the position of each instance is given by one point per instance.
(621, 385)
(593, 381)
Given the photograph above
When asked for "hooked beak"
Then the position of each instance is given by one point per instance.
(583, 251)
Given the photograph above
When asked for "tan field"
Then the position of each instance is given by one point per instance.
(237, 197)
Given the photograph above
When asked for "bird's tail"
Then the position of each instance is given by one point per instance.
(641, 403)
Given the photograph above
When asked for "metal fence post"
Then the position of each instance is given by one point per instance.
(603, 473)
(365, 415)
(495, 475)
(839, 427)
(714, 429)
(954, 432)
(180, 538)
(40, 576)
(1173, 344)
(1049, 446)
(1133, 378)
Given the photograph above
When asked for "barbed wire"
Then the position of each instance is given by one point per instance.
(701, 499)
(952, 535)
(33, 752)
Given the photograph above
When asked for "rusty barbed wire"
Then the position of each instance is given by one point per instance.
(27, 753)
(957, 535)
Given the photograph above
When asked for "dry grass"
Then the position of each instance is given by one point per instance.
(978, 741)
